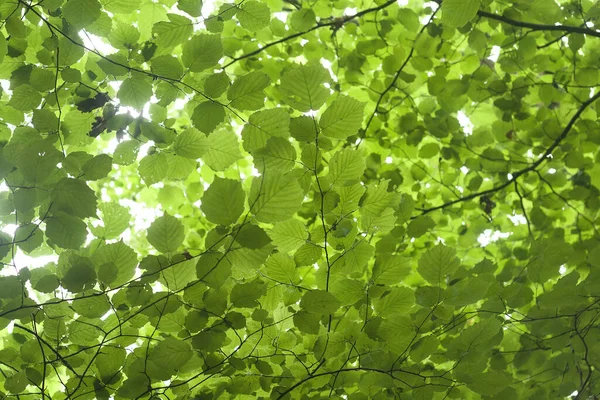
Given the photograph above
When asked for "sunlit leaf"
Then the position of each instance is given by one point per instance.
(166, 234)
(342, 118)
(303, 87)
(456, 13)
(254, 15)
(223, 201)
(81, 13)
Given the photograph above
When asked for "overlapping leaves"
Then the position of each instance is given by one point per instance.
(286, 202)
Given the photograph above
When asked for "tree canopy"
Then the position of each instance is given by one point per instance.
(299, 199)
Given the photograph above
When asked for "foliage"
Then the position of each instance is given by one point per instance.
(299, 199)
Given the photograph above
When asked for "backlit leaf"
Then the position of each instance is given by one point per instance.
(303, 89)
(247, 92)
(81, 13)
(190, 144)
(75, 197)
(135, 92)
(437, 263)
(254, 15)
(166, 234)
(342, 118)
(202, 52)
(456, 13)
(223, 149)
(173, 32)
(319, 302)
(274, 197)
(207, 116)
(223, 201)
(66, 231)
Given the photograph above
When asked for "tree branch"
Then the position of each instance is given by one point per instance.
(333, 23)
(523, 171)
(540, 27)
(536, 27)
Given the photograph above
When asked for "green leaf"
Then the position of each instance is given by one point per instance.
(47, 282)
(167, 66)
(216, 84)
(467, 291)
(10, 287)
(121, 6)
(456, 13)
(437, 263)
(247, 294)
(70, 52)
(168, 356)
(303, 87)
(420, 226)
(319, 302)
(153, 168)
(81, 13)
(489, 383)
(303, 19)
(342, 118)
(66, 231)
(307, 322)
(16, 382)
(25, 98)
(28, 238)
(97, 168)
(547, 256)
(110, 360)
(157, 133)
(348, 291)
(126, 152)
(180, 167)
(278, 154)
(223, 201)
(45, 121)
(178, 276)
(207, 116)
(79, 125)
(121, 256)
(174, 32)
(345, 167)
(166, 234)
(355, 259)
(274, 197)
(265, 124)
(202, 52)
(209, 340)
(223, 149)
(391, 269)
(91, 307)
(74, 197)
(115, 220)
(124, 36)
(307, 254)
(377, 199)
(252, 237)
(192, 7)
(333, 177)
(135, 92)
(289, 235)
(190, 144)
(254, 15)
(247, 92)
(424, 347)
(42, 79)
(394, 302)
(281, 267)
(3, 47)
